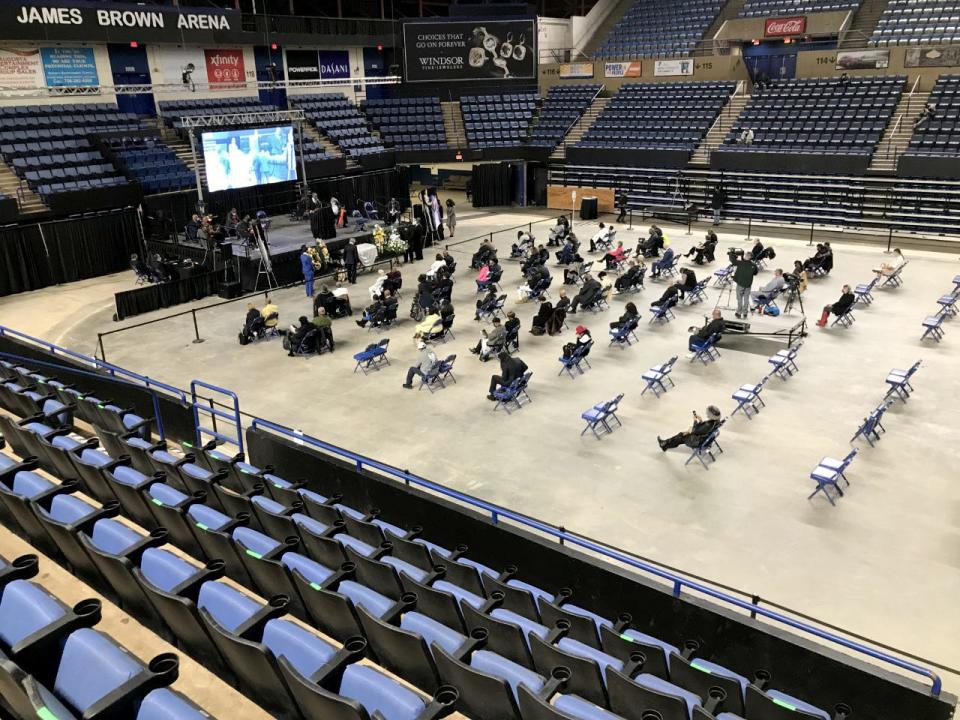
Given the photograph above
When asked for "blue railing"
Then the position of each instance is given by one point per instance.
(114, 370)
(214, 413)
(677, 582)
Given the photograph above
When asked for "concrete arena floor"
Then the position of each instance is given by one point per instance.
(884, 563)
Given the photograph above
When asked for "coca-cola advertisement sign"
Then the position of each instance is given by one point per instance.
(782, 27)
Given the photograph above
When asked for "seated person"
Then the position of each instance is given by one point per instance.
(341, 305)
(523, 244)
(669, 298)
(572, 275)
(568, 253)
(512, 325)
(715, 326)
(698, 432)
(600, 237)
(324, 299)
(511, 369)
(483, 277)
(888, 269)
(424, 327)
(704, 252)
(446, 311)
(582, 339)
(555, 323)
(537, 278)
(632, 276)
(438, 265)
(606, 286)
(798, 278)
(769, 291)
(270, 313)
(425, 362)
(839, 308)
(140, 267)
(449, 259)
(759, 252)
(443, 288)
(425, 298)
(394, 279)
(381, 310)
(653, 244)
(324, 329)
(630, 314)
(483, 254)
(496, 272)
(253, 319)
(486, 303)
(296, 334)
(540, 320)
(822, 259)
(590, 292)
(688, 281)
(490, 342)
(616, 256)
(377, 288)
(559, 231)
(663, 263)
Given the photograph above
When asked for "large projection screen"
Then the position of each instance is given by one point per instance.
(254, 156)
(470, 50)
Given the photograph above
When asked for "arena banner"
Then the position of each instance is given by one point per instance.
(671, 68)
(303, 65)
(91, 20)
(470, 50)
(785, 26)
(863, 59)
(932, 57)
(334, 64)
(622, 69)
(573, 71)
(69, 67)
(224, 67)
(20, 68)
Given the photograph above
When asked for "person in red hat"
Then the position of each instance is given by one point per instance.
(583, 338)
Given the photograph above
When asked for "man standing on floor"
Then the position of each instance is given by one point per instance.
(743, 272)
(350, 258)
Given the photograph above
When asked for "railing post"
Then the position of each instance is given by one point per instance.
(755, 599)
(196, 330)
(103, 355)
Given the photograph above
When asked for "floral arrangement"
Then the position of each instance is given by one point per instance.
(379, 238)
(395, 245)
(322, 252)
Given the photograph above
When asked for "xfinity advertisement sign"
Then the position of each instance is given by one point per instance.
(470, 50)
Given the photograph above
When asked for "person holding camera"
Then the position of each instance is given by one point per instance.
(697, 433)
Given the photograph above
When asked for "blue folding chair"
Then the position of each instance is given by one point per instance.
(894, 279)
(656, 376)
(576, 360)
(697, 294)
(438, 374)
(706, 351)
(372, 358)
(661, 313)
(932, 327)
(600, 415)
(623, 335)
(899, 382)
(748, 399)
(872, 426)
(846, 320)
(721, 278)
(948, 306)
(705, 449)
(863, 291)
(828, 473)
(513, 394)
(784, 361)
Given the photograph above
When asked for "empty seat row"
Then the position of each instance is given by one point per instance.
(409, 123)
(784, 8)
(497, 120)
(905, 22)
(653, 28)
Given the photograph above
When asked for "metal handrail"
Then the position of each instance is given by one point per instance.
(678, 582)
(96, 363)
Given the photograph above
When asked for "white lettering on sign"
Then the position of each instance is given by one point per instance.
(202, 22)
(129, 18)
(224, 60)
(49, 16)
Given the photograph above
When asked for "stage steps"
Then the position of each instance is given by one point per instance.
(580, 127)
(453, 128)
(897, 136)
(715, 136)
(28, 200)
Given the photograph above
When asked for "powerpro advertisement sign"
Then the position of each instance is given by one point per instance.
(470, 50)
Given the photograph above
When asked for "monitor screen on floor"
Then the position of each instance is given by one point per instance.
(254, 156)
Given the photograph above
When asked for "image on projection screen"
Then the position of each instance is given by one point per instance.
(256, 156)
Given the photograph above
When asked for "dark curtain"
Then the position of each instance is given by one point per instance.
(377, 187)
(492, 185)
(43, 254)
(153, 297)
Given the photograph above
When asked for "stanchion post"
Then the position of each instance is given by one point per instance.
(810, 242)
(889, 238)
(196, 330)
(749, 227)
(103, 355)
